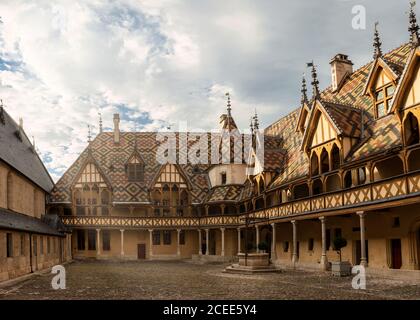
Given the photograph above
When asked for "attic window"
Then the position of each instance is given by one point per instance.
(135, 170)
(383, 97)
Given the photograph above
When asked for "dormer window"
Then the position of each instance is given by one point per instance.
(135, 170)
(383, 99)
(223, 178)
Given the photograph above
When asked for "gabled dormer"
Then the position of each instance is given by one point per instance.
(380, 86)
(134, 167)
(382, 80)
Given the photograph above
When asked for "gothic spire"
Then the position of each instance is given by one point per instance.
(315, 81)
(414, 27)
(377, 44)
(256, 122)
(229, 109)
(251, 125)
(89, 135)
(304, 91)
(100, 123)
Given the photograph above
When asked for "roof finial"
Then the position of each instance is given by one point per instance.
(256, 122)
(315, 81)
(304, 91)
(229, 109)
(377, 44)
(251, 125)
(89, 134)
(100, 122)
(414, 27)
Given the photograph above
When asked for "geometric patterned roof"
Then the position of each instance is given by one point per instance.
(345, 108)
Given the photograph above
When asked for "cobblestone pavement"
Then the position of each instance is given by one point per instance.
(187, 280)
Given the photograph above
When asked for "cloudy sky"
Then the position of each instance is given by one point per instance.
(157, 62)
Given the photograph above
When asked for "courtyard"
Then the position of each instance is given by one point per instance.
(92, 279)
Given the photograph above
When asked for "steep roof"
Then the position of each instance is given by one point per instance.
(20, 154)
(345, 107)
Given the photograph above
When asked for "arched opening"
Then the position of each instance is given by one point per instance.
(272, 199)
(388, 168)
(414, 160)
(325, 161)
(347, 180)
(261, 186)
(314, 164)
(230, 210)
(166, 195)
(105, 197)
(411, 130)
(184, 198)
(301, 191)
(335, 157)
(333, 183)
(259, 204)
(317, 187)
(215, 210)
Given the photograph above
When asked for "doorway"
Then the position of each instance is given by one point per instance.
(141, 251)
(396, 257)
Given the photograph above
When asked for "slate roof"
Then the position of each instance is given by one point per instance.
(16, 221)
(20, 154)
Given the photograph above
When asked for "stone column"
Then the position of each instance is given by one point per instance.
(273, 243)
(199, 242)
(363, 259)
(122, 242)
(150, 243)
(295, 254)
(239, 240)
(98, 243)
(324, 259)
(207, 242)
(257, 237)
(178, 247)
(223, 241)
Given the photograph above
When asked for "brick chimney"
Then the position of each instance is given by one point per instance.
(116, 128)
(341, 67)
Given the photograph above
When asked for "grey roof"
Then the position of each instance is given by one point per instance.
(20, 154)
(16, 221)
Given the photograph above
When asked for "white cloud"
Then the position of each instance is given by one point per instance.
(166, 60)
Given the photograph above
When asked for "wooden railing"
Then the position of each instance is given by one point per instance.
(384, 191)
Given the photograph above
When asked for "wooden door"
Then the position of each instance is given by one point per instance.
(141, 251)
(396, 257)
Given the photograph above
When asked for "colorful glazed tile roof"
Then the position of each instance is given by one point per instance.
(345, 107)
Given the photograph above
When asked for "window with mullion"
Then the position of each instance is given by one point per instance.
(383, 100)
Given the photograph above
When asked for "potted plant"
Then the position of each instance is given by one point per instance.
(263, 247)
(340, 268)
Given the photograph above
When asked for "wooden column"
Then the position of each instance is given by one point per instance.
(273, 242)
(295, 254)
(239, 240)
(98, 243)
(223, 241)
(207, 242)
(257, 237)
(150, 243)
(122, 242)
(199, 243)
(324, 259)
(363, 258)
(178, 243)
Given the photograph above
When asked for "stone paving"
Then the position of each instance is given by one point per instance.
(187, 280)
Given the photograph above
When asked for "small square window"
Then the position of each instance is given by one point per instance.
(396, 222)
